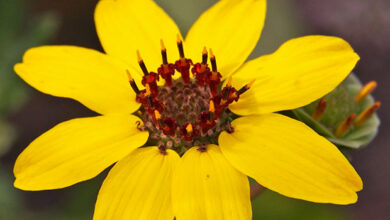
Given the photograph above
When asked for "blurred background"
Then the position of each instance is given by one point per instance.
(26, 113)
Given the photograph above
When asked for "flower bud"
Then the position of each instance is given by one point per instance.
(334, 120)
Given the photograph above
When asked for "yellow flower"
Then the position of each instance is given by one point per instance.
(208, 181)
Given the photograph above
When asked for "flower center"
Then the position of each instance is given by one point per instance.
(187, 111)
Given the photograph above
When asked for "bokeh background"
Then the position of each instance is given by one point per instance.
(26, 113)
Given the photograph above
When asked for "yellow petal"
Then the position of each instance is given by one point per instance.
(76, 150)
(206, 186)
(299, 72)
(92, 78)
(125, 26)
(231, 28)
(286, 156)
(138, 187)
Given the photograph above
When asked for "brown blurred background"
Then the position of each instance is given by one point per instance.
(365, 24)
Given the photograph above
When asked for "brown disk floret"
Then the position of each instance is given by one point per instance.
(185, 112)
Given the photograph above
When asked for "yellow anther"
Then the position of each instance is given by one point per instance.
(345, 125)
(157, 114)
(129, 76)
(320, 109)
(365, 91)
(189, 128)
(211, 106)
(139, 57)
(162, 44)
(204, 51)
(179, 41)
(229, 82)
(250, 84)
(211, 54)
(366, 114)
(147, 87)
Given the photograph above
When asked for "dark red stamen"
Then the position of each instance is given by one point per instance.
(218, 106)
(226, 92)
(132, 83)
(166, 71)
(206, 121)
(142, 64)
(150, 102)
(169, 126)
(245, 88)
(229, 95)
(163, 52)
(214, 79)
(183, 66)
(213, 61)
(151, 79)
(142, 97)
(152, 105)
(188, 131)
(201, 72)
(180, 46)
(204, 56)
(242, 90)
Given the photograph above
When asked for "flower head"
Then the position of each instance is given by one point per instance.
(185, 141)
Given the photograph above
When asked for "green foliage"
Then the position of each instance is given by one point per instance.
(15, 38)
(10, 198)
